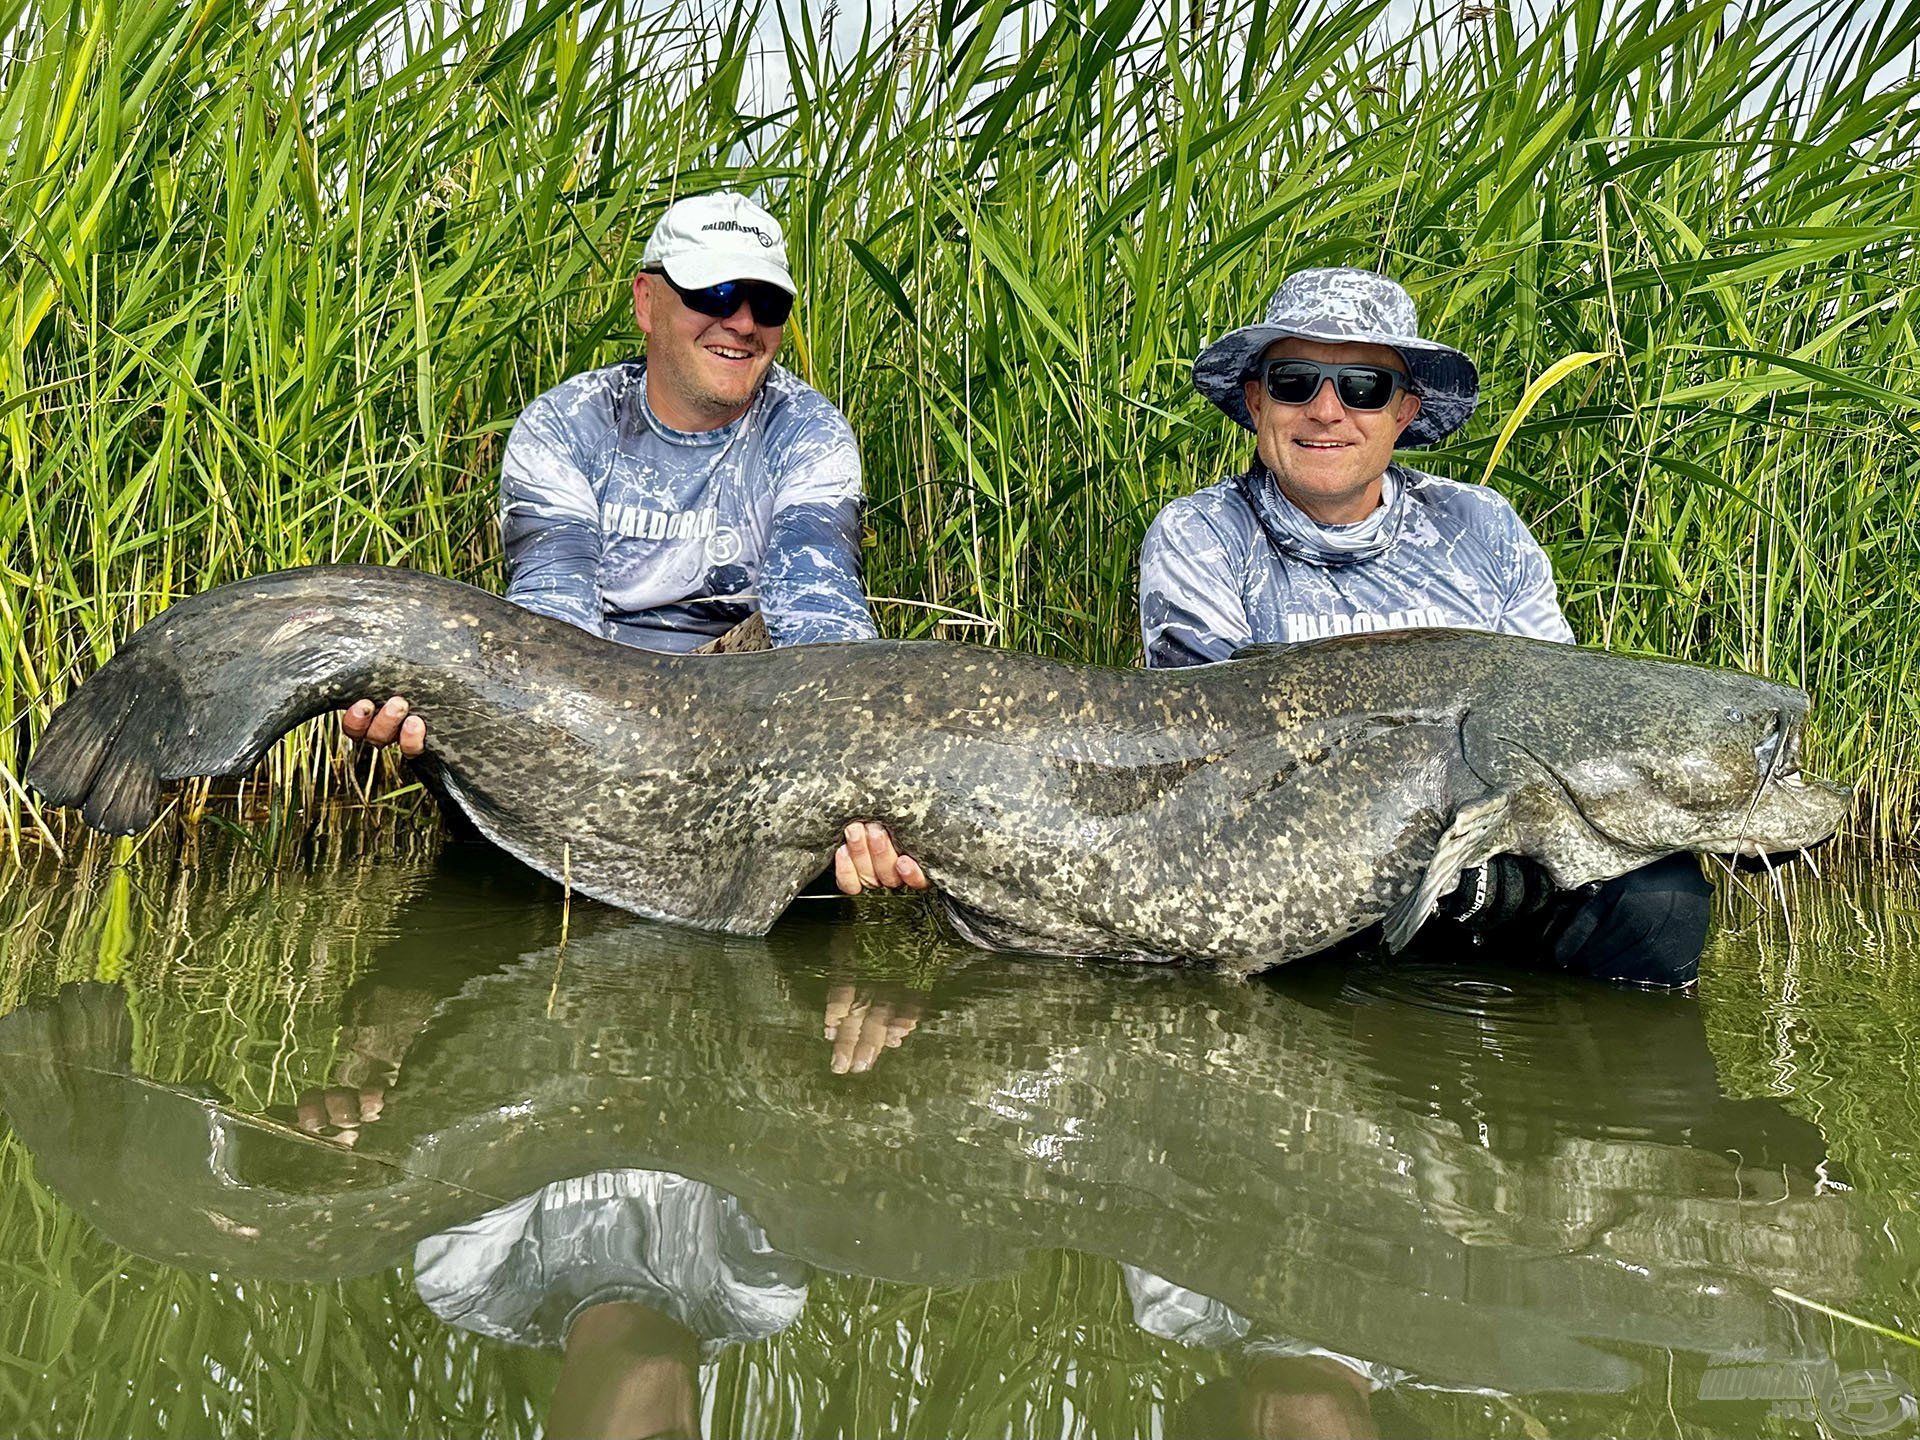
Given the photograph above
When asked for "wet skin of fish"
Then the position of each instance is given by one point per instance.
(1245, 813)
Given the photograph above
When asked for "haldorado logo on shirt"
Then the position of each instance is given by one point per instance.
(643, 523)
(1319, 627)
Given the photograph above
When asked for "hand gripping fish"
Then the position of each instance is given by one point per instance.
(1244, 814)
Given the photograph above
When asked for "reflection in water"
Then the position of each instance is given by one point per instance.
(646, 1145)
(526, 1271)
(638, 1274)
(1282, 1387)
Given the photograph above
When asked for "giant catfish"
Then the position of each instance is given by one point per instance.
(1244, 814)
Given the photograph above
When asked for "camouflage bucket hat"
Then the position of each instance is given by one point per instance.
(1336, 306)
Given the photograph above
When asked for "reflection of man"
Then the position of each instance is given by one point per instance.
(1282, 1390)
(662, 501)
(1325, 535)
(637, 1276)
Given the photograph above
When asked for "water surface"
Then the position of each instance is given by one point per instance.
(260, 1115)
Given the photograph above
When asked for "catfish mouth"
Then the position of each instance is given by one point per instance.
(1787, 812)
(1784, 801)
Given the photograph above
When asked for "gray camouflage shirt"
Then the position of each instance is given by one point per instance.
(1237, 564)
(525, 1271)
(666, 538)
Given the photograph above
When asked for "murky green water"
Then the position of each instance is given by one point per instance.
(260, 1116)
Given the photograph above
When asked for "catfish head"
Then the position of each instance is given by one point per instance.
(1608, 762)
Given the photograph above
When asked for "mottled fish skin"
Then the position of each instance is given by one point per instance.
(1244, 813)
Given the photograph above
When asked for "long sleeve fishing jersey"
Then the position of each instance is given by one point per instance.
(527, 1270)
(1238, 564)
(664, 538)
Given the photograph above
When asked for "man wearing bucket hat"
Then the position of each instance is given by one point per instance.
(663, 500)
(1326, 534)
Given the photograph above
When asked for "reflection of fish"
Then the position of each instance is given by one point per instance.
(1243, 813)
(1282, 1156)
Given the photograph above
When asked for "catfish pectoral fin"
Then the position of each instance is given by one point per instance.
(1477, 833)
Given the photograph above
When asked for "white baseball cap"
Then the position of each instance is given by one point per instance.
(705, 239)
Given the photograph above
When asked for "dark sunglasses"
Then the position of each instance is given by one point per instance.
(770, 304)
(1360, 387)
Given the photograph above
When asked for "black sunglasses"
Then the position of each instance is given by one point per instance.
(770, 304)
(1360, 387)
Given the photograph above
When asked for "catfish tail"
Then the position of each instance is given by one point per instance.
(209, 684)
(102, 752)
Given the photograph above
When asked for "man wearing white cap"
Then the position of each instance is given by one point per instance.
(653, 500)
(661, 500)
(1325, 534)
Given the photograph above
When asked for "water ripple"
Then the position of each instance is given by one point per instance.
(1455, 989)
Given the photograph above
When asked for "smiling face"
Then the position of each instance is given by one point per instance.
(702, 373)
(1328, 459)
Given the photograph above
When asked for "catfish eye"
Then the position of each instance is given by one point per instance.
(1736, 715)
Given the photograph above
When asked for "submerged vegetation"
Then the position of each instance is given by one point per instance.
(275, 281)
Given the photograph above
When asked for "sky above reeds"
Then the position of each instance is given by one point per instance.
(839, 25)
(1444, 22)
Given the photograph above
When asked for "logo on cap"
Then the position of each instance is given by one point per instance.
(734, 225)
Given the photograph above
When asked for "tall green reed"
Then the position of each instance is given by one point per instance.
(272, 288)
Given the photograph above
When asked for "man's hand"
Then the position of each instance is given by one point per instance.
(868, 861)
(382, 1025)
(337, 1112)
(359, 1091)
(391, 722)
(862, 1022)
